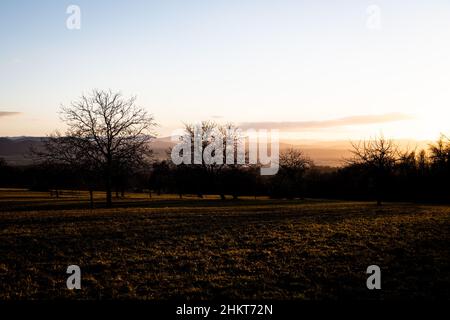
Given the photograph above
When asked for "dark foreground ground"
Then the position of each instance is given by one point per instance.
(204, 249)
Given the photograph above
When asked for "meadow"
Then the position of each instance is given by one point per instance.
(204, 249)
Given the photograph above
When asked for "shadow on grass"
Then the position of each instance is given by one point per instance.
(76, 204)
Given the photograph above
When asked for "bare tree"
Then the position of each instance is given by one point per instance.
(208, 132)
(378, 157)
(293, 160)
(440, 153)
(60, 151)
(422, 162)
(289, 179)
(105, 132)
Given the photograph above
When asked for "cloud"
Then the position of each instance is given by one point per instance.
(8, 114)
(308, 125)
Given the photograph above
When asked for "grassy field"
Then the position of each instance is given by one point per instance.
(163, 248)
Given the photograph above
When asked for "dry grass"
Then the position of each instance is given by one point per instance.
(204, 249)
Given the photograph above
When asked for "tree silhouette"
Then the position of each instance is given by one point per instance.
(288, 182)
(228, 136)
(378, 157)
(106, 132)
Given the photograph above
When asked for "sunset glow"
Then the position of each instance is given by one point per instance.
(255, 63)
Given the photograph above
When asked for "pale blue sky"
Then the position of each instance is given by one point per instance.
(242, 61)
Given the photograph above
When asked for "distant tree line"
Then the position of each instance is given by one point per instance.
(107, 147)
(378, 172)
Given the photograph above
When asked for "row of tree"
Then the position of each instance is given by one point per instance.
(378, 171)
(107, 147)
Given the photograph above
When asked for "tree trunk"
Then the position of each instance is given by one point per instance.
(108, 196)
(91, 198)
(108, 192)
(108, 181)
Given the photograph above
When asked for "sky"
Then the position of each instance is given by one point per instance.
(325, 70)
